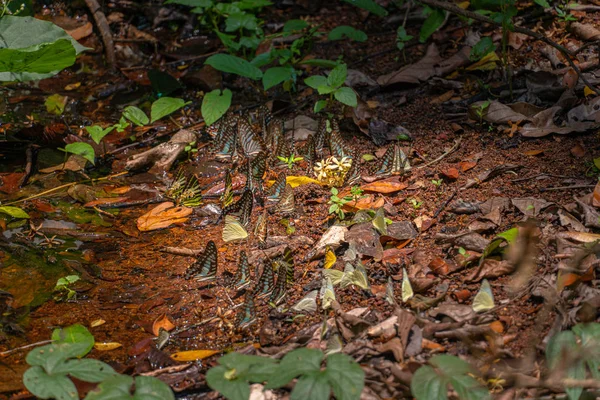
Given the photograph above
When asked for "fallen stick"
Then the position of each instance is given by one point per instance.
(567, 187)
(105, 33)
(452, 150)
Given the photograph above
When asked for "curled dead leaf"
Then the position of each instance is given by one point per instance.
(385, 186)
(163, 216)
(162, 322)
(193, 355)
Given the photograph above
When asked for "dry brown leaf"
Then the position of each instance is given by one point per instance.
(585, 31)
(162, 322)
(596, 196)
(386, 186)
(415, 73)
(163, 216)
(365, 203)
(193, 355)
(450, 173)
(104, 201)
(533, 153)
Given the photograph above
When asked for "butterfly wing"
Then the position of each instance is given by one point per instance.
(407, 290)
(353, 176)
(241, 278)
(261, 230)
(307, 304)
(241, 208)
(227, 196)
(385, 168)
(233, 230)
(249, 141)
(484, 299)
(274, 193)
(280, 291)
(327, 294)
(337, 147)
(400, 163)
(266, 282)
(205, 267)
(390, 297)
(287, 203)
(247, 314)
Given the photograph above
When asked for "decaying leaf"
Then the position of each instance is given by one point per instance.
(163, 216)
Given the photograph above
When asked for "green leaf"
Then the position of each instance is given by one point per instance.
(42, 47)
(339, 32)
(14, 212)
(215, 105)
(468, 388)
(427, 384)
(224, 381)
(165, 106)
(370, 6)
(84, 150)
(451, 365)
(319, 105)
(597, 162)
(275, 75)
(45, 386)
(296, 363)
(240, 21)
(368, 157)
(590, 344)
(191, 3)
(317, 62)
(325, 89)
(263, 59)
(345, 376)
(52, 356)
(313, 387)
(431, 24)
(562, 343)
(294, 25)
(576, 372)
(120, 387)
(346, 96)
(542, 3)
(337, 76)
(509, 235)
(67, 280)
(97, 133)
(136, 115)
(316, 81)
(482, 48)
(149, 387)
(87, 370)
(234, 65)
(252, 4)
(77, 334)
(55, 104)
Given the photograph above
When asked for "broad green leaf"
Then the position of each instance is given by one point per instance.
(234, 65)
(67, 280)
(316, 81)
(136, 115)
(590, 343)
(97, 133)
(215, 105)
(575, 372)
(44, 59)
(317, 62)
(337, 76)
(85, 369)
(19, 33)
(468, 388)
(509, 235)
(426, 384)
(370, 6)
(482, 48)
(84, 150)
(542, 3)
(431, 24)
(149, 387)
(263, 59)
(165, 106)
(296, 363)
(55, 104)
(275, 75)
(14, 212)
(313, 386)
(251, 42)
(239, 21)
(77, 334)
(346, 96)
(243, 361)
(45, 386)
(294, 25)
(325, 89)
(229, 41)
(562, 343)
(120, 387)
(451, 365)
(225, 381)
(597, 162)
(52, 356)
(252, 4)
(345, 376)
(319, 105)
(117, 387)
(342, 31)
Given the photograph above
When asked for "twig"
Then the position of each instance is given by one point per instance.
(518, 29)
(527, 178)
(445, 204)
(27, 346)
(567, 187)
(452, 150)
(105, 33)
(181, 251)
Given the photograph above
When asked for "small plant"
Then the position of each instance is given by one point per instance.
(564, 15)
(437, 182)
(290, 161)
(341, 374)
(462, 251)
(415, 203)
(332, 86)
(430, 381)
(62, 289)
(190, 149)
(402, 38)
(336, 204)
(481, 109)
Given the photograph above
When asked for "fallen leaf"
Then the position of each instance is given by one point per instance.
(533, 153)
(365, 203)
(163, 216)
(497, 326)
(162, 322)
(97, 322)
(105, 201)
(596, 196)
(193, 355)
(566, 279)
(385, 186)
(466, 165)
(295, 181)
(578, 151)
(586, 32)
(450, 173)
(107, 346)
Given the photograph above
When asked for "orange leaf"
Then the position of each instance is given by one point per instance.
(451, 173)
(596, 198)
(430, 345)
(104, 200)
(193, 355)
(364, 203)
(467, 165)
(497, 326)
(566, 279)
(163, 216)
(533, 152)
(386, 186)
(162, 322)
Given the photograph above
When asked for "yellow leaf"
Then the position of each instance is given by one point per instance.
(588, 92)
(73, 86)
(193, 355)
(97, 322)
(487, 63)
(107, 346)
(464, 5)
(295, 181)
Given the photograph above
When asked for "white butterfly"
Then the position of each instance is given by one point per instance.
(484, 299)
(407, 290)
(233, 230)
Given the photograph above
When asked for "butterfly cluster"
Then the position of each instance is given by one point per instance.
(184, 190)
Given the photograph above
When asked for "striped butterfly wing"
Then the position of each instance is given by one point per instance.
(241, 208)
(205, 267)
(177, 186)
(265, 117)
(255, 171)
(288, 263)
(327, 293)
(225, 144)
(390, 297)
(400, 165)
(273, 133)
(337, 147)
(261, 230)
(353, 176)
(227, 196)
(274, 193)
(266, 282)
(321, 136)
(387, 162)
(247, 314)
(287, 202)
(310, 153)
(280, 290)
(250, 142)
(241, 278)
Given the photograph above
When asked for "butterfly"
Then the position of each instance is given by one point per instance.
(233, 230)
(224, 144)
(241, 208)
(393, 162)
(484, 299)
(321, 136)
(407, 290)
(266, 282)
(241, 278)
(265, 117)
(308, 303)
(205, 267)
(261, 230)
(190, 195)
(255, 171)
(275, 191)
(330, 258)
(337, 147)
(177, 186)
(334, 344)
(389, 292)
(288, 263)
(379, 222)
(247, 314)
(227, 196)
(274, 133)
(280, 291)
(310, 153)
(353, 176)
(287, 203)
(249, 141)
(334, 275)
(355, 276)
(327, 293)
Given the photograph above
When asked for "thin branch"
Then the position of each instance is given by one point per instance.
(105, 33)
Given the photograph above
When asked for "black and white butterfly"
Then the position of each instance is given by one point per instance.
(250, 143)
(241, 279)
(242, 209)
(205, 267)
